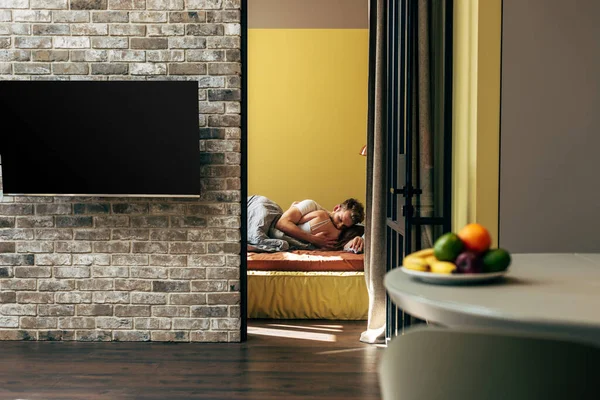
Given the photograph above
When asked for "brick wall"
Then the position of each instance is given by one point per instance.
(131, 269)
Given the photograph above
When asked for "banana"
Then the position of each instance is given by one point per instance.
(442, 267)
(430, 260)
(422, 253)
(415, 263)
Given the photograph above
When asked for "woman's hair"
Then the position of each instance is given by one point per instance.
(348, 234)
(357, 211)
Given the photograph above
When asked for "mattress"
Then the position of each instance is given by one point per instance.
(306, 260)
(307, 295)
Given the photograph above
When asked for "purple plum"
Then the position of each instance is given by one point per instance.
(468, 263)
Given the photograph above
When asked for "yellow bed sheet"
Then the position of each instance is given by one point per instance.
(307, 295)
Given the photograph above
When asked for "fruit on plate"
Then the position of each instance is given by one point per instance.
(475, 238)
(447, 247)
(496, 260)
(469, 262)
(442, 267)
(415, 263)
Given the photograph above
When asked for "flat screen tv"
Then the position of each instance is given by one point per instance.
(115, 138)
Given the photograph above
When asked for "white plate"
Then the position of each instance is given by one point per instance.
(453, 279)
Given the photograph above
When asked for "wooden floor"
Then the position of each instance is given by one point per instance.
(281, 360)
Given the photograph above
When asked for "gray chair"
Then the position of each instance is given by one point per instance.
(435, 363)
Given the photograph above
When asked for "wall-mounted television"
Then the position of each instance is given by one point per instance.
(114, 138)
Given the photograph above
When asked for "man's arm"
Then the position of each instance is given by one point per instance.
(288, 224)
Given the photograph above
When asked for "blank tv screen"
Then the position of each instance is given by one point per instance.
(100, 138)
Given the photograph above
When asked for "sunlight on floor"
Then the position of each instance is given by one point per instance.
(321, 337)
(315, 328)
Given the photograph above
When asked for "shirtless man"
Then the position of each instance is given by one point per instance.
(308, 221)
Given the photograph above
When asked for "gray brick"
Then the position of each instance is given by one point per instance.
(211, 82)
(233, 56)
(212, 133)
(130, 234)
(187, 273)
(92, 234)
(8, 297)
(150, 222)
(130, 285)
(17, 335)
(209, 286)
(5, 16)
(211, 108)
(74, 298)
(204, 30)
(231, 248)
(130, 208)
(168, 235)
(93, 336)
(91, 208)
(55, 285)
(70, 69)
(208, 337)
(53, 209)
(56, 310)
(110, 16)
(165, 30)
(233, 235)
(9, 322)
(6, 247)
(222, 42)
(223, 273)
(6, 272)
(89, 55)
(76, 323)
(233, 133)
(114, 221)
(148, 298)
(224, 95)
(235, 4)
(149, 43)
(207, 260)
(18, 309)
(110, 69)
(132, 311)
(71, 42)
(31, 16)
(89, 29)
(89, 4)
(16, 259)
(222, 221)
(232, 29)
(150, 247)
(126, 4)
(148, 272)
(187, 42)
(130, 260)
(204, 4)
(187, 69)
(94, 309)
(223, 16)
(223, 195)
(188, 222)
(170, 336)
(71, 16)
(72, 272)
(223, 298)
(224, 69)
(127, 30)
(205, 55)
(170, 311)
(15, 29)
(165, 55)
(50, 55)
(187, 248)
(33, 272)
(16, 209)
(234, 82)
(110, 272)
(7, 222)
(35, 247)
(148, 69)
(148, 17)
(4, 43)
(191, 323)
(152, 323)
(131, 336)
(110, 297)
(170, 286)
(15, 55)
(35, 298)
(91, 259)
(127, 56)
(192, 299)
(96, 284)
(51, 30)
(187, 17)
(167, 208)
(73, 247)
(53, 259)
(5, 69)
(209, 311)
(56, 335)
(52, 234)
(73, 222)
(110, 43)
(225, 324)
(112, 247)
(165, 4)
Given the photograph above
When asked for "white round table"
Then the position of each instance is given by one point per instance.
(550, 294)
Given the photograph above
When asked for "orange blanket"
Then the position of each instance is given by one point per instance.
(306, 260)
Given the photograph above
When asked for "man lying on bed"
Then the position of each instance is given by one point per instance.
(271, 229)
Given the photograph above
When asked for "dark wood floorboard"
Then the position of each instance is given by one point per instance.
(267, 366)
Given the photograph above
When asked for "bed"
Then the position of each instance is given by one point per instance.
(307, 284)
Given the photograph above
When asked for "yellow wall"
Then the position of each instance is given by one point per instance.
(476, 130)
(307, 113)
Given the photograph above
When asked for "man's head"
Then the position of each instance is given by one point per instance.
(348, 213)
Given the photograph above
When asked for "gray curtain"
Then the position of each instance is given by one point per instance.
(375, 237)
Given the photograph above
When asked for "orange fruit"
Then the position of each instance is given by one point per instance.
(475, 237)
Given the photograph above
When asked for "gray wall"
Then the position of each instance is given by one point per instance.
(550, 126)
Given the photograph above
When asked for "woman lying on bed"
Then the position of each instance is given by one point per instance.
(319, 223)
